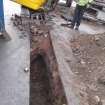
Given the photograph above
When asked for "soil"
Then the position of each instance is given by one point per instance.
(40, 91)
(89, 68)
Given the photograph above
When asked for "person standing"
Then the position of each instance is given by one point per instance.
(79, 11)
(68, 3)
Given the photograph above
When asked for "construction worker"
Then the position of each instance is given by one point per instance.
(51, 4)
(79, 11)
(68, 3)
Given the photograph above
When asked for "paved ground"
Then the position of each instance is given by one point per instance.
(14, 57)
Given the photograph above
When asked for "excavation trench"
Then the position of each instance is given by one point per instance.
(45, 84)
(40, 89)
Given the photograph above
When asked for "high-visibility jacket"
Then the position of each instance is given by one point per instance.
(83, 2)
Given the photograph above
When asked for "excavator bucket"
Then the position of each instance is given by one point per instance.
(32, 4)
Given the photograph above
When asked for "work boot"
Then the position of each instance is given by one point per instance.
(76, 28)
(71, 26)
(1, 34)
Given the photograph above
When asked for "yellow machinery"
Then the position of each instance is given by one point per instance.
(32, 4)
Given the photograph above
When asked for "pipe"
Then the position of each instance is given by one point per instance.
(2, 25)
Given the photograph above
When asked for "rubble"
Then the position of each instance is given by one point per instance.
(83, 62)
(101, 80)
(90, 68)
(95, 100)
(26, 70)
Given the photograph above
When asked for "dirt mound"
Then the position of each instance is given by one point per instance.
(89, 68)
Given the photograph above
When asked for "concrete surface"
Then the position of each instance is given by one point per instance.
(60, 37)
(14, 57)
(91, 28)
